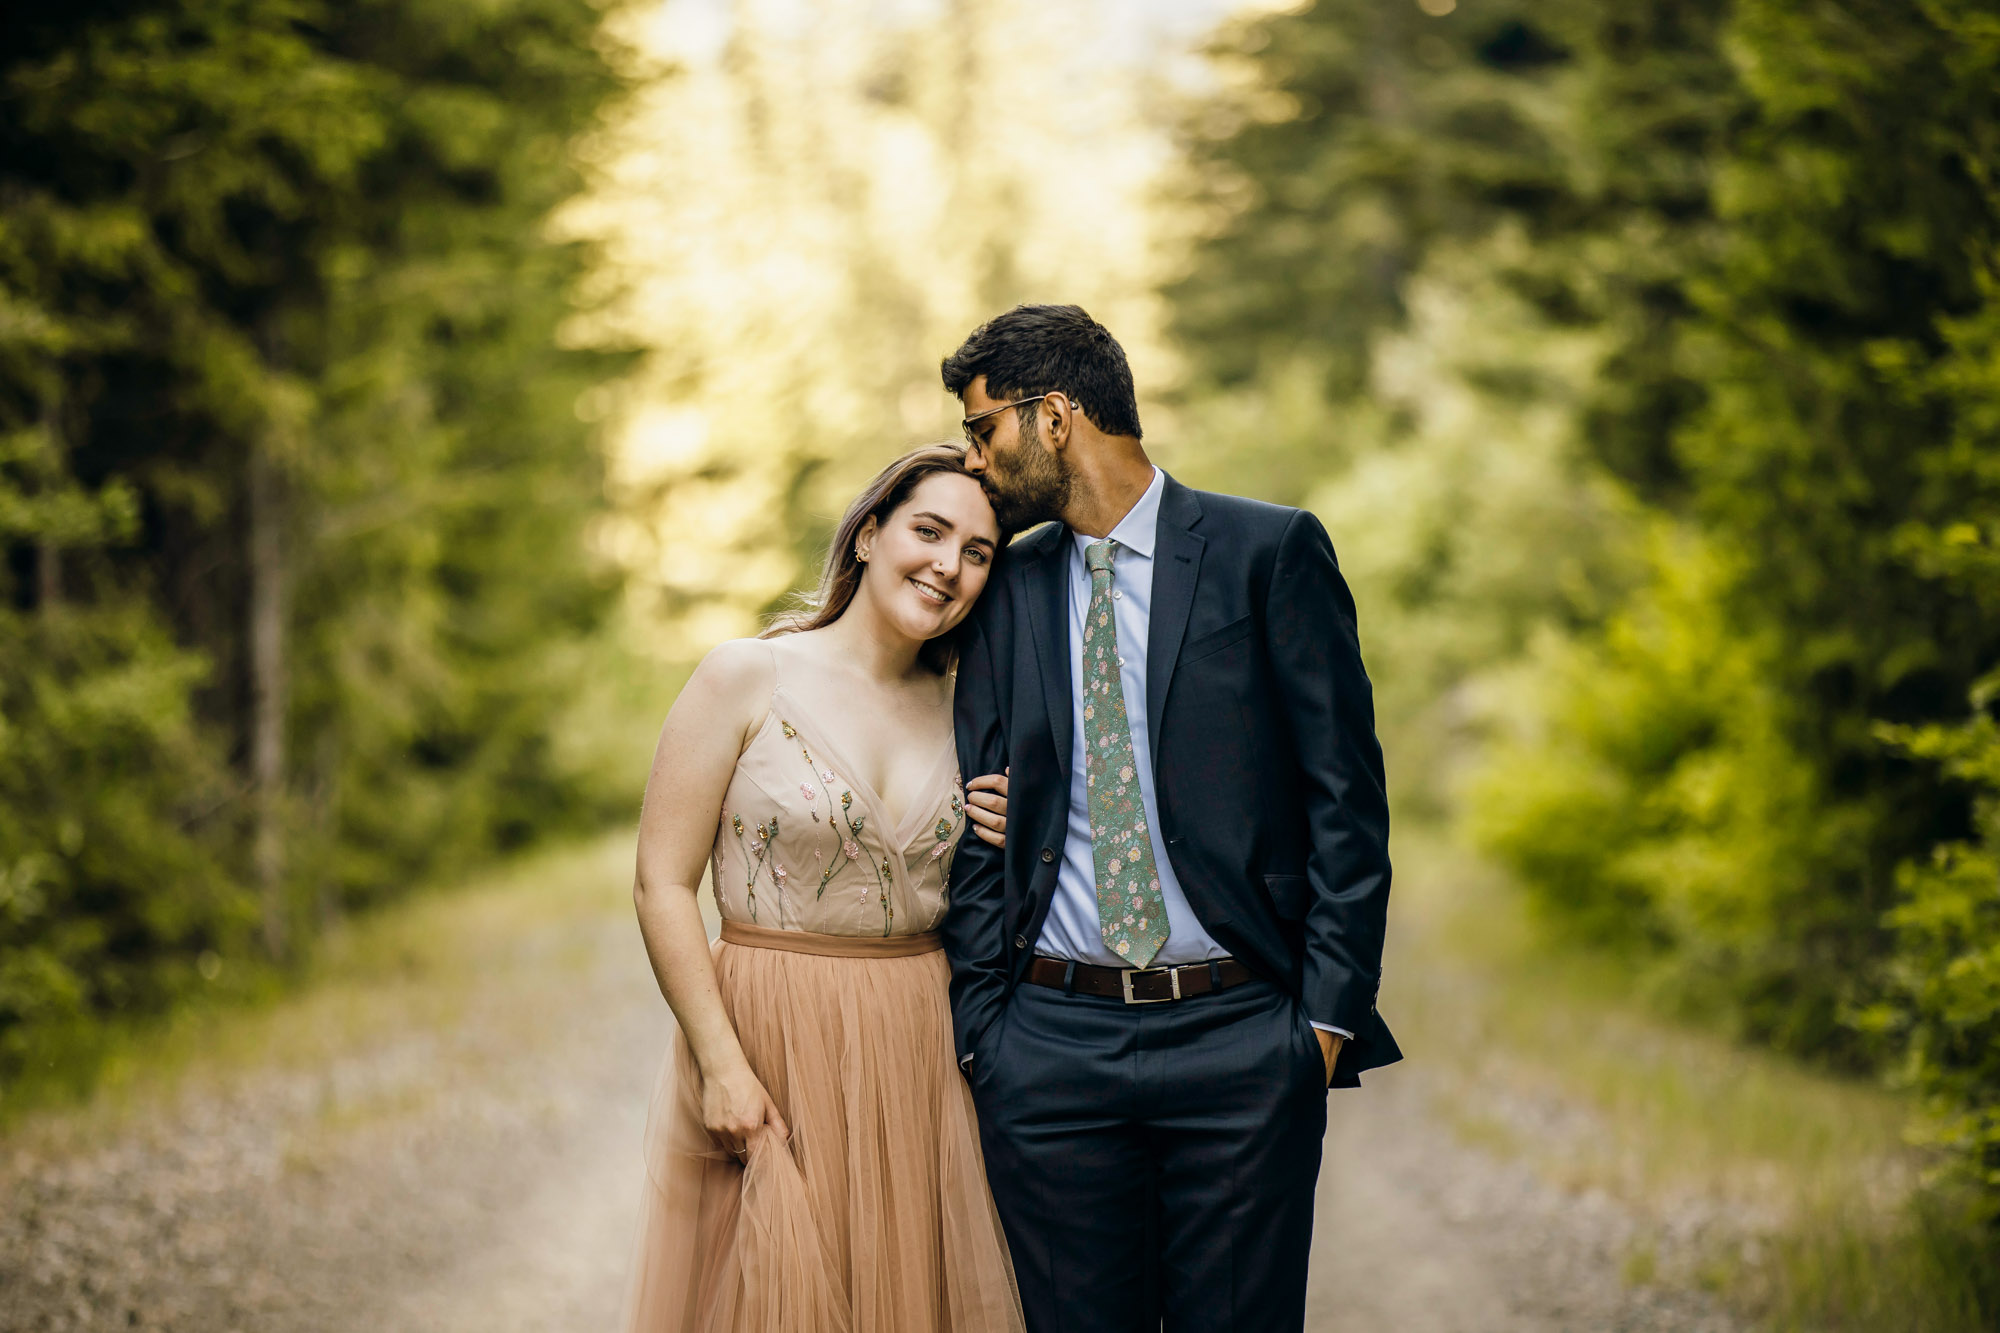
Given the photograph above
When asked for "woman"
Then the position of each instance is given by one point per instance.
(813, 1158)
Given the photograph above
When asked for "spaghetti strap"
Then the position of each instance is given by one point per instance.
(777, 675)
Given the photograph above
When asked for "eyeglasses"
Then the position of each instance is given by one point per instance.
(967, 424)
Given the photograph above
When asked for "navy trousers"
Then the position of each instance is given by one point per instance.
(1154, 1165)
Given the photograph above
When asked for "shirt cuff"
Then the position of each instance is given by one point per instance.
(1323, 1027)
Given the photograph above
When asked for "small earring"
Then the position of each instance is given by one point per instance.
(861, 555)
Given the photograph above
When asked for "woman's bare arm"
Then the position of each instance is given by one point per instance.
(720, 707)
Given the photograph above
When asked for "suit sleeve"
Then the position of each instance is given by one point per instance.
(974, 926)
(1324, 691)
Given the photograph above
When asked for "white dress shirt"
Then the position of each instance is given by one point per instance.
(1072, 930)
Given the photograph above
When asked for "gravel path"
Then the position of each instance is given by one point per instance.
(479, 1170)
(1419, 1233)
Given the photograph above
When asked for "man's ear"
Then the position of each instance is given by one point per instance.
(1062, 420)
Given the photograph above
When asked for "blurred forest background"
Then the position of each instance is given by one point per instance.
(396, 395)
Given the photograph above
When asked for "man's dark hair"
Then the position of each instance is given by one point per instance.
(1049, 349)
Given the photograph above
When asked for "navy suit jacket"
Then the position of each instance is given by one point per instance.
(1265, 762)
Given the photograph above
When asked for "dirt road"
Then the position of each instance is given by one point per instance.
(474, 1165)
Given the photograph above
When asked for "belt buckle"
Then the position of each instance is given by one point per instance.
(1125, 975)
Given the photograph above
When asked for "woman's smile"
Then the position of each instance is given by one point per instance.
(934, 595)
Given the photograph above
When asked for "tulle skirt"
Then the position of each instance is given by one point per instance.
(875, 1216)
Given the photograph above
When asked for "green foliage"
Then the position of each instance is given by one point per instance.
(1371, 135)
(1648, 797)
(1461, 518)
(1524, 184)
(310, 238)
(107, 894)
(1943, 997)
(1832, 464)
(1736, 260)
(1945, 991)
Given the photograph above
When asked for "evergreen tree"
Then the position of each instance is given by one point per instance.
(1774, 225)
(292, 492)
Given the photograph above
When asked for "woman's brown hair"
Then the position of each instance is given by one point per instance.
(841, 578)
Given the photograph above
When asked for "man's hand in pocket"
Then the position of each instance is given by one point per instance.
(1329, 1047)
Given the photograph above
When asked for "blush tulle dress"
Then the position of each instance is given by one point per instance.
(875, 1216)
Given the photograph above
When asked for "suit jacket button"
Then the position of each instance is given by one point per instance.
(1048, 855)
(1020, 941)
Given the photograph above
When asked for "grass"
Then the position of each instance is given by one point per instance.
(411, 967)
(1791, 1192)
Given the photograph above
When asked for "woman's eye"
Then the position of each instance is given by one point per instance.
(929, 534)
(975, 555)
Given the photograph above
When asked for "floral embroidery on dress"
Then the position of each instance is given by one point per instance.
(811, 794)
(893, 872)
(946, 843)
(854, 827)
(755, 847)
(851, 850)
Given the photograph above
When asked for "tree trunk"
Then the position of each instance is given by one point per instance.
(267, 693)
(48, 577)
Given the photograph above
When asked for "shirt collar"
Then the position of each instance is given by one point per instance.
(1140, 528)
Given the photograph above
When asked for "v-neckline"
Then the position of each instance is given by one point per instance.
(902, 830)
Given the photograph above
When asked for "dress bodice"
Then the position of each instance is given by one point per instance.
(803, 844)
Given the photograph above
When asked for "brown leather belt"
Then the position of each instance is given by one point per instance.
(1139, 985)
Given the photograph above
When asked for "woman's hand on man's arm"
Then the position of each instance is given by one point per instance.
(986, 803)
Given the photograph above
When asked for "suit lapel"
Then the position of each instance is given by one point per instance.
(1047, 580)
(1176, 569)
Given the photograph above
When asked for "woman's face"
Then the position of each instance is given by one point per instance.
(927, 563)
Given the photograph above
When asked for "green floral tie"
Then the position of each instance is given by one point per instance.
(1130, 910)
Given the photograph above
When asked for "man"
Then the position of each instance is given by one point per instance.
(1179, 947)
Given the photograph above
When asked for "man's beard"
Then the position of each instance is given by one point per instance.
(1028, 485)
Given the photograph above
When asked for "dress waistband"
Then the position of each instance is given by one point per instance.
(830, 946)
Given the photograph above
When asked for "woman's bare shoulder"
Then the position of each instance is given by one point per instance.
(734, 680)
(745, 662)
